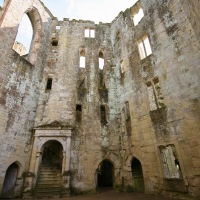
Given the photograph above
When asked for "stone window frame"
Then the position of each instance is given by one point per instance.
(135, 10)
(170, 169)
(122, 68)
(144, 47)
(103, 122)
(154, 92)
(101, 56)
(82, 58)
(89, 32)
(36, 22)
(48, 87)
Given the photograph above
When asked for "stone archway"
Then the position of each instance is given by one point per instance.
(52, 154)
(36, 22)
(105, 174)
(137, 174)
(49, 181)
(10, 181)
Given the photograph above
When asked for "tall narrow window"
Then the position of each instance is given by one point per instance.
(89, 33)
(122, 66)
(144, 47)
(127, 110)
(92, 33)
(82, 59)
(101, 60)
(24, 36)
(49, 84)
(103, 115)
(78, 113)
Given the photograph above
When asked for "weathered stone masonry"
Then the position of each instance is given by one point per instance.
(139, 117)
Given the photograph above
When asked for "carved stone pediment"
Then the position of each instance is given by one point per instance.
(54, 125)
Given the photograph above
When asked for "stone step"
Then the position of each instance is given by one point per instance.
(49, 172)
(39, 185)
(49, 183)
(48, 188)
(49, 178)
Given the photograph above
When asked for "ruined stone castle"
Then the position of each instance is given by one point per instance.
(72, 124)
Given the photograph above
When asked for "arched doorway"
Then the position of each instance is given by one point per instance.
(105, 174)
(9, 181)
(137, 174)
(50, 177)
(52, 155)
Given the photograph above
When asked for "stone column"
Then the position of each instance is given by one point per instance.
(66, 170)
(30, 174)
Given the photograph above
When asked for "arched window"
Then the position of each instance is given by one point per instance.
(82, 59)
(24, 36)
(101, 60)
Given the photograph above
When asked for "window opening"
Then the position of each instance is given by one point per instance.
(57, 27)
(171, 166)
(24, 36)
(54, 42)
(78, 113)
(144, 47)
(101, 60)
(49, 84)
(89, 33)
(118, 36)
(103, 115)
(92, 33)
(122, 66)
(127, 110)
(156, 99)
(82, 59)
(138, 16)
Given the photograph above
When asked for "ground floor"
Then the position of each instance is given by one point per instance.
(112, 194)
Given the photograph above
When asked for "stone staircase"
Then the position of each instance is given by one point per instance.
(49, 182)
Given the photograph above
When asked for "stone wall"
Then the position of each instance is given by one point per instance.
(20, 79)
(147, 109)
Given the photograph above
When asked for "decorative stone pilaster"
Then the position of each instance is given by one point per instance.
(56, 132)
(28, 184)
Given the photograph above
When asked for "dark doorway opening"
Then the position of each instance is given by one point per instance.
(105, 173)
(137, 174)
(52, 154)
(9, 182)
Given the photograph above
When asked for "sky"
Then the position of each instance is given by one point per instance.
(93, 10)
(1, 3)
